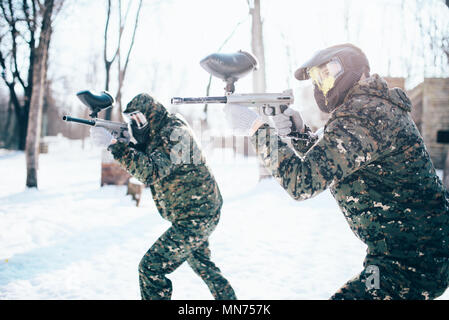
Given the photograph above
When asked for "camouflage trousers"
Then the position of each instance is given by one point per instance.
(185, 240)
(388, 278)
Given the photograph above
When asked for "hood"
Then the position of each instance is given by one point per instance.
(154, 112)
(376, 86)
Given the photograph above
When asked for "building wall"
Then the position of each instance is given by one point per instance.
(435, 117)
(416, 96)
(430, 112)
(394, 82)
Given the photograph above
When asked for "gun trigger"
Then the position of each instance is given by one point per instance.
(268, 111)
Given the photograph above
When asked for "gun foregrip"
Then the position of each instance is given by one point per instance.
(274, 110)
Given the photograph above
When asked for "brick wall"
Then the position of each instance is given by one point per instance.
(435, 117)
(416, 96)
(395, 82)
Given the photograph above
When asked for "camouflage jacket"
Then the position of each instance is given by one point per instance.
(172, 165)
(375, 163)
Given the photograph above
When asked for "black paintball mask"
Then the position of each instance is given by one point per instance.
(139, 125)
(334, 71)
(146, 118)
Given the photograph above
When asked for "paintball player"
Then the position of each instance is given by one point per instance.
(166, 158)
(373, 159)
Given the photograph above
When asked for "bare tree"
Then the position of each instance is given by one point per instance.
(20, 27)
(122, 17)
(346, 18)
(435, 35)
(17, 40)
(122, 68)
(40, 67)
(8, 136)
(25, 32)
(291, 61)
(108, 62)
(259, 80)
(118, 175)
(257, 47)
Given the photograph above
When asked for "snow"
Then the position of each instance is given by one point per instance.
(72, 239)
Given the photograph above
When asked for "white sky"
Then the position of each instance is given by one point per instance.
(174, 35)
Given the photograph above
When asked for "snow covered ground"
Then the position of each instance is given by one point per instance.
(72, 239)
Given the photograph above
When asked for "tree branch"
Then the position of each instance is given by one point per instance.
(2, 6)
(136, 21)
(106, 32)
(122, 23)
(25, 9)
(11, 86)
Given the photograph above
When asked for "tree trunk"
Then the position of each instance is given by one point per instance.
(108, 111)
(23, 128)
(259, 81)
(21, 112)
(37, 97)
(107, 63)
(11, 61)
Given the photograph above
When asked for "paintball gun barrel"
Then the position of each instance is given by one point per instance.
(79, 120)
(97, 103)
(270, 103)
(115, 128)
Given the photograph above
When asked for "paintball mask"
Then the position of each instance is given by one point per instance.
(334, 71)
(325, 75)
(140, 128)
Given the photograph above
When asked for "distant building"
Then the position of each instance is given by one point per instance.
(394, 82)
(430, 112)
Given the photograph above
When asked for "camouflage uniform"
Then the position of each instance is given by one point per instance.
(185, 193)
(376, 165)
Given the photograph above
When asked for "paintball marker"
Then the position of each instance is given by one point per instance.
(97, 103)
(230, 68)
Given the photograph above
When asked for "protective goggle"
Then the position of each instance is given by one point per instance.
(136, 118)
(325, 75)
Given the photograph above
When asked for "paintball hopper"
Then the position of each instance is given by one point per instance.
(95, 102)
(229, 66)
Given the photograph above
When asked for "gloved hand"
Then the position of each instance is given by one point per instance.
(320, 132)
(289, 121)
(242, 119)
(101, 137)
(126, 136)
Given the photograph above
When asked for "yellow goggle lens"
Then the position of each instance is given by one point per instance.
(325, 75)
(322, 79)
